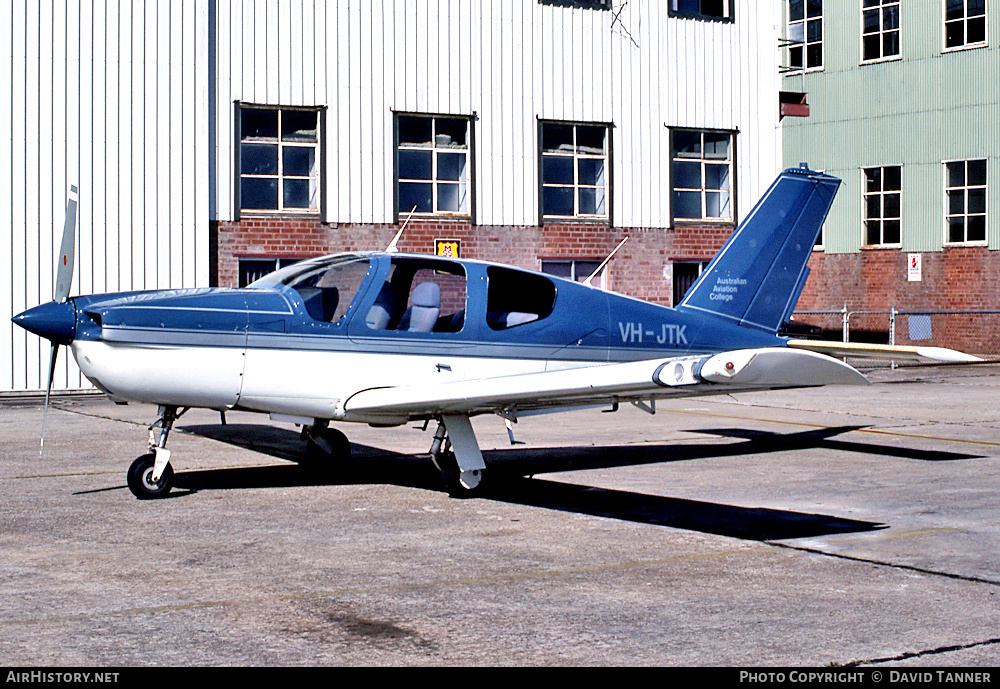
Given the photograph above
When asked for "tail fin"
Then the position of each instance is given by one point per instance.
(757, 276)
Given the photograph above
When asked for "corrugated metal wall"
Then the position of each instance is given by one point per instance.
(509, 63)
(110, 96)
(134, 101)
(924, 108)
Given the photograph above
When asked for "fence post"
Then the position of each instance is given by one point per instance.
(845, 325)
(892, 332)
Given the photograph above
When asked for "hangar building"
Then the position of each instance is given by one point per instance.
(213, 140)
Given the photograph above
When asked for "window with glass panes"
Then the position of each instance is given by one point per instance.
(882, 194)
(805, 33)
(279, 159)
(964, 23)
(965, 189)
(701, 175)
(576, 269)
(702, 9)
(880, 29)
(433, 164)
(575, 172)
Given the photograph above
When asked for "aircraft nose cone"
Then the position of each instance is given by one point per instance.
(55, 321)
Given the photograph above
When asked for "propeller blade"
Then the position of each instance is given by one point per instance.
(67, 252)
(45, 414)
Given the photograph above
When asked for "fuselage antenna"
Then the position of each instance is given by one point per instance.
(604, 263)
(391, 249)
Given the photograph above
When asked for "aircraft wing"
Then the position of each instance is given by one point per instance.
(687, 376)
(875, 351)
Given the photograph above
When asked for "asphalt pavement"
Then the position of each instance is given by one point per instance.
(828, 527)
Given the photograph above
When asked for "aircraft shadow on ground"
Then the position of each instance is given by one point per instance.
(512, 479)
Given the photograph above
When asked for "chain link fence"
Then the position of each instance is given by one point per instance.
(971, 331)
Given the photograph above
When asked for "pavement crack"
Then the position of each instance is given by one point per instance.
(922, 654)
(891, 565)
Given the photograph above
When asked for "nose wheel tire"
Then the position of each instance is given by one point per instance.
(140, 478)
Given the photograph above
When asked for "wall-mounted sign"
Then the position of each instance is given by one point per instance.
(913, 268)
(452, 248)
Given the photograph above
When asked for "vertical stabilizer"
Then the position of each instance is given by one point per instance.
(757, 276)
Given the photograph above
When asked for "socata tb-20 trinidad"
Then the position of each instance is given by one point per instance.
(385, 338)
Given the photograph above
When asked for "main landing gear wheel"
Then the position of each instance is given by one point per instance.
(459, 484)
(331, 444)
(140, 478)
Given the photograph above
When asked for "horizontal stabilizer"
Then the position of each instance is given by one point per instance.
(875, 351)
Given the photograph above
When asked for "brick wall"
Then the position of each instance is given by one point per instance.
(956, 278)
(640, 268)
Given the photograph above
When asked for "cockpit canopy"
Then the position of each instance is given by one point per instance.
(416, 294)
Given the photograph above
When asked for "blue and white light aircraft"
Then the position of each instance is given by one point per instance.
(386, 338)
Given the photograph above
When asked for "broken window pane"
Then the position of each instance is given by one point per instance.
(415, 131)
(299, 125)
(557, 138)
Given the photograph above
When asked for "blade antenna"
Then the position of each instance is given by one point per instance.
(605, 262)
(391, 249)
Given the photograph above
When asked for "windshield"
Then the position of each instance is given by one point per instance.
(288, 274)
(327, 286)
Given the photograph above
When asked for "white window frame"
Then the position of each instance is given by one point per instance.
(280, 177)
(882, 217)
(965, 215)
(601, 189)
(436, 149)
(803, 23)
(880, 7)
(704, 162)
(965, 45)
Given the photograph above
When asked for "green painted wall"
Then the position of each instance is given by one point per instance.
(919, 110)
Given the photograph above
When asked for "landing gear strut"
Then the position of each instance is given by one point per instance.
(456, 455)
(151, 475)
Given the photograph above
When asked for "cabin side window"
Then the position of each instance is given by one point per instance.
(515, 298)
(420, 296)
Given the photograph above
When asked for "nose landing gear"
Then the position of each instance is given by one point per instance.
(151, 475)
